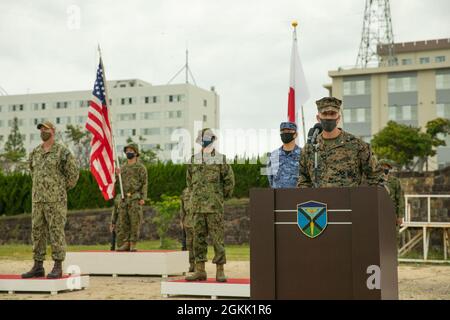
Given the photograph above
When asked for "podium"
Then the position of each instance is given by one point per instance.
(329, 243)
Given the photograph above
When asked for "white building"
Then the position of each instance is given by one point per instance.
(138, 108)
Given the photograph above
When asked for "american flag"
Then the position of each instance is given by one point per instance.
(102, 150)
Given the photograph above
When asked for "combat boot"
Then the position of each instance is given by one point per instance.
(56, 272)
(133, 247)
(191, 267)
(36, 271)
(199, 274)
(124, 247)
(220, 274)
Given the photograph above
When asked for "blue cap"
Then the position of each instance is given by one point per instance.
(288, 125)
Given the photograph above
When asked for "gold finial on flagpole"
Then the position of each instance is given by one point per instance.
(294, 24)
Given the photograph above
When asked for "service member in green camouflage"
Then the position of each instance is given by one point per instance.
(395, 189)
(187, 225)
(210, 180)
(115, 223)
(343, 159)
(134, 181)
(54, 170)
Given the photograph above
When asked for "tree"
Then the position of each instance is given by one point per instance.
(81, 141)
(11, 159)
(409, 147)
(401, 144)
(166, 210)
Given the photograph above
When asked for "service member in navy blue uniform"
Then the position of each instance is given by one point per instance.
(282, 168)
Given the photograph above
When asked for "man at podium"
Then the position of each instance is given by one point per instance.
(337, 158)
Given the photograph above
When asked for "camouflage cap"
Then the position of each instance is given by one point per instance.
(47, 124)
(329, 104)
(133, 146)
(205, 134)
(288, 125)
(386, 162)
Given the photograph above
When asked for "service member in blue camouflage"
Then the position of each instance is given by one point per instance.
(282, 168)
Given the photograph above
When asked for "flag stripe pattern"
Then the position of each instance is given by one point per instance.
(102, 150)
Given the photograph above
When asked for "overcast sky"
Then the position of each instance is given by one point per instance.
(241, 47)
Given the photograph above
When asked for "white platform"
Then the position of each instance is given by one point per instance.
(235, 288)
(14, 283)
(145, 262)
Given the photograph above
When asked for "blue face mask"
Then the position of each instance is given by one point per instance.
(130, 155)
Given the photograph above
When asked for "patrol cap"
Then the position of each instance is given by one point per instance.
(133, 146)
(205, 134)
(288, 125)
(329, 104)
(47, 124)
(386, 162)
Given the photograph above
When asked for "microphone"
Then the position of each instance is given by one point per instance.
(314, 132)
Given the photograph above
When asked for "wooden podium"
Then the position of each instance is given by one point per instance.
(354, 256)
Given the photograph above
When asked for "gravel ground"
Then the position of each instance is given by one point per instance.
(415, 282)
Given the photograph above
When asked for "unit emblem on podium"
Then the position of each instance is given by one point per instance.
(312, 218)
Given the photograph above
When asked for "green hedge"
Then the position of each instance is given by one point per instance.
(168, 179)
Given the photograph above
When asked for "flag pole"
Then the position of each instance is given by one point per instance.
(294, 25)
(111, 123)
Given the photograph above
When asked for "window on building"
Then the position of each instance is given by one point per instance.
(357, 115)
(405, 84)
(1, 123)
(169, 146)
(62, 105)
(127, 132)
(439, 59)
(175, 98)
(150, 131)
(205, 118)
(443, 110)
(81, 119)
(205, 102)
(175, 114)
(127, 116)
(63, 120)
(11, 122)
(406, 62)
(16, 107)
(126, 101)
(403, 113)
(424, 60)
(353, 88)
(443, 81)
(151, 99)
(84, 103)
(156, 115)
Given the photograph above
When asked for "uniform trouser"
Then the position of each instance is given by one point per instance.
(209, 224)
(190, 243)
(48, 220)
(129, 221)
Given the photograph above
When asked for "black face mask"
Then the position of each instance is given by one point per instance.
(386, 171)
(130, 155)
(328, 124)
(287, 137)
(206, 143)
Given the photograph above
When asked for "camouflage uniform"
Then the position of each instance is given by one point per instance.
(210, 180)
(342, 162)
(187, 221)
(115, 220)
(53, 173)
(134, 181)
(282, 168)
(396, 194)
